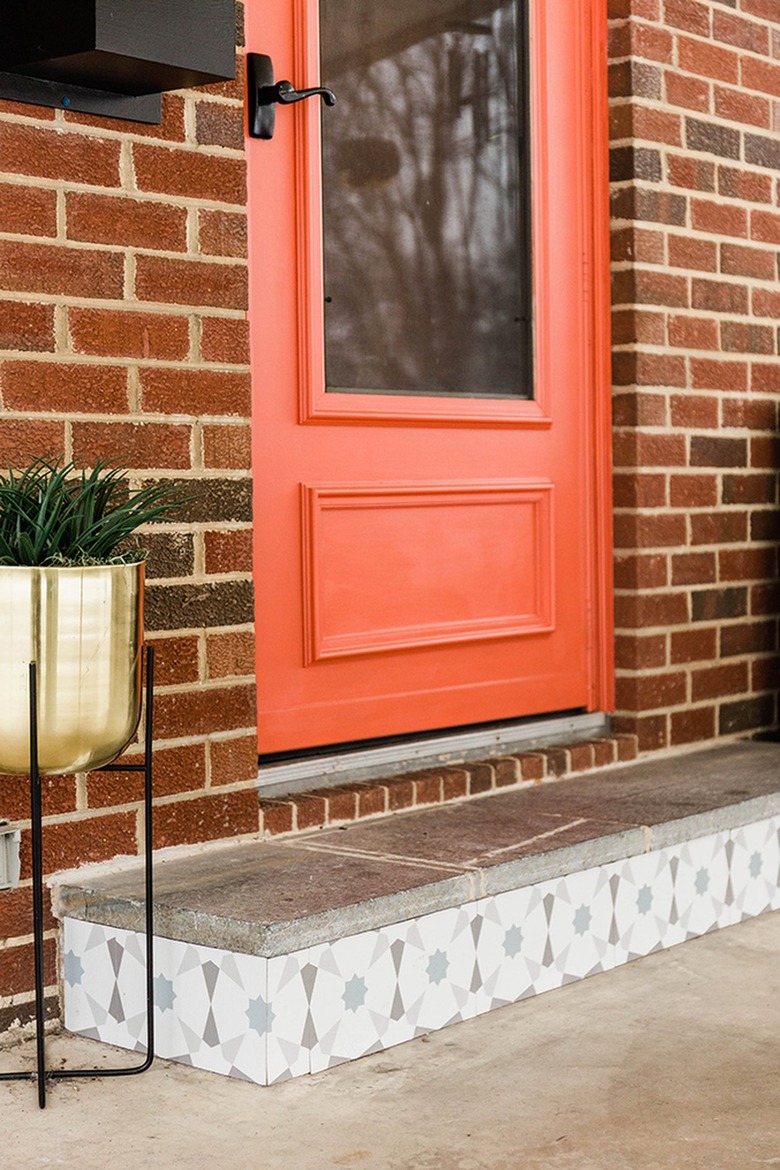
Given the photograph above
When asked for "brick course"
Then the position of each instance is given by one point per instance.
(694, 122)
(351, 802)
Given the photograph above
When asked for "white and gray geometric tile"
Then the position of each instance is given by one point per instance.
(579, 915)
(215, 1016)
(703, 895)
(755, 868)
(513, 935)
(645, 914)
(356, 1001)
(291, 1032)
(436, 970)
(205, 999)
(104, 980)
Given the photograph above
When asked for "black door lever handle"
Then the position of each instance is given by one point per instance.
(263, 94)
(286, 93)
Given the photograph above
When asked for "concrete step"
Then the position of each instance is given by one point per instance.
(282, 957)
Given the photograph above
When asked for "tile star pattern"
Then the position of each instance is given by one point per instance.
(72, 969)
(260, 1015)
(265, 1020)
(354, 993)
(513, 941)
(164, 995)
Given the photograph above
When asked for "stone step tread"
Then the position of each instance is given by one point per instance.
(271, 897)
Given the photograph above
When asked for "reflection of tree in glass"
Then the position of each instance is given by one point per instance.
(424, 232)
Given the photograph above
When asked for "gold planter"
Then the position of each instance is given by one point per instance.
(84, 629)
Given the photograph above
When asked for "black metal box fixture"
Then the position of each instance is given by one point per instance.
(124, 47)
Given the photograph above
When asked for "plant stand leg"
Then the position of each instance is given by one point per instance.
(41, 1075)
(37, 898)
(36, 829)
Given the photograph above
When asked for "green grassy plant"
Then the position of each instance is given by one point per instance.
(55, 514)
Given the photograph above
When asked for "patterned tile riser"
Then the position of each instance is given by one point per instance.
(266, 1020)
(211, 1005)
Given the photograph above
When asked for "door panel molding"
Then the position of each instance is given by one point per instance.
(374, 556)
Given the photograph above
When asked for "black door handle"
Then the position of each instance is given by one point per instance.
(286, 93)
(263, 94)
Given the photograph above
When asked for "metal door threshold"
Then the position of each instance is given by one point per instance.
(368, 763)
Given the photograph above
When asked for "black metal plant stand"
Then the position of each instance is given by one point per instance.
(42, 1074)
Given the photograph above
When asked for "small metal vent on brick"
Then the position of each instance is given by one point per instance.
(9, 856)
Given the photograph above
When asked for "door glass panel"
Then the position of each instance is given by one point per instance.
(425, 205)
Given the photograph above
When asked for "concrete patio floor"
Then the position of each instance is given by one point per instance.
(670, 1062)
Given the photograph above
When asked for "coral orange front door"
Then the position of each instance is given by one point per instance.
(428, 315)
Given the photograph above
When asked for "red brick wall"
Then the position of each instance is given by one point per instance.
(695, 116)
(123, 334)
